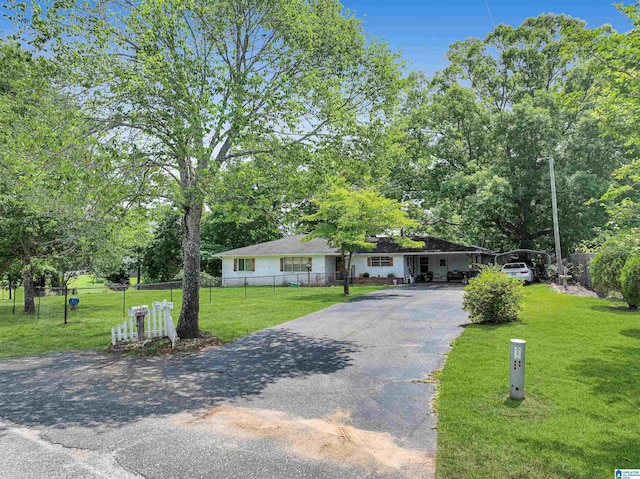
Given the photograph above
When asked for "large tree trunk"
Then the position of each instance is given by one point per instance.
(29, 290)
(188, 322)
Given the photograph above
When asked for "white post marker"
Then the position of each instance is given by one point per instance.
(516, 368)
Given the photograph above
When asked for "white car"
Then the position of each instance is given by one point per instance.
(519, 270)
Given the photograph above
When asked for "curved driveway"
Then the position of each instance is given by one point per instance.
(335, 394)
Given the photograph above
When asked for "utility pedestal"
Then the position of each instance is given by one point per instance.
(516, 368)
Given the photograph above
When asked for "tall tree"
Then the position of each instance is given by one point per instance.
(52, 185)
(196, 85)
(476, 130)
(616, 56)
(348, 217)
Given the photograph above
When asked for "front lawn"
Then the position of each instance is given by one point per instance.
(229, 315)
(581, 417)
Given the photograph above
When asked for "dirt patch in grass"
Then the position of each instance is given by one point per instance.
(330, 439)
(575, 289)
(160, 346)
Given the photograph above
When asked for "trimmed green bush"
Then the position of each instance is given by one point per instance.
(493, 297)
(630, 281)
(606, 266)
(605, 269)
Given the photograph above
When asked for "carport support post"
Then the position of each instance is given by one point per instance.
(517, 356)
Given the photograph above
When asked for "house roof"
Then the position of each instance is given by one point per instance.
(431, 245)
(290, 245)
(384, 245)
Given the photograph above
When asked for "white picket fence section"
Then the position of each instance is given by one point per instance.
(159, 323)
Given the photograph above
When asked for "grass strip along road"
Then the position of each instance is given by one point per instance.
(228, 316)
(581, 416)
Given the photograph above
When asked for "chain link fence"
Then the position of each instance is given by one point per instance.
(61, 302)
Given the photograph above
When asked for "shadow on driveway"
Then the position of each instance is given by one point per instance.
(89, 389)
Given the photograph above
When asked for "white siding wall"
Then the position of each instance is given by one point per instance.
(330, 264)
(268, 267)
(360, 262)
(459, 262)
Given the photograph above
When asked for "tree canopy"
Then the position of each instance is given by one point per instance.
(193, 86)
(348, 217)
(58, 208)
(476, 130)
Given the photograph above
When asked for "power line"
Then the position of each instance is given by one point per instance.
(486, 3)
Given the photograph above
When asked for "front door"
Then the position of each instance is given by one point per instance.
(411, 268)
(424, 265)
(440, 267)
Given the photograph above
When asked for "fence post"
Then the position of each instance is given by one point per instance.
(274, 285)
(15, 291)
(171, 292)
(124, 299)
(41, 292)
(66, 292)
(245, 287)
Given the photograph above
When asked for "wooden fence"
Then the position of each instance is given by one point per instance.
(580, 270)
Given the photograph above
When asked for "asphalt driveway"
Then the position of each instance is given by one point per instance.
(335, 394)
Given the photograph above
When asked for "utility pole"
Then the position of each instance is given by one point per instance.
(554, 208)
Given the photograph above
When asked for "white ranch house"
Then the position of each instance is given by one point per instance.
(289, 260)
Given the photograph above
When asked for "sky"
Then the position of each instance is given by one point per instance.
(423, 29)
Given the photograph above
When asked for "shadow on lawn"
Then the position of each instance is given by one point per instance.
(83, 388)
(631, 333)
(614, 374)
(618, 308)
(611, 453)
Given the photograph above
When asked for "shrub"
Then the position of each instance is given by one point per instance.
(391, 275)
(630, 281)
(365, 275)
(606, 266)
(605, 269)
(493, 297)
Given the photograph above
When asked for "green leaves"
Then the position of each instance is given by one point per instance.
(475, 131)
(348, 217)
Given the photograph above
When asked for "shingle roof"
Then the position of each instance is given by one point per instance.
(289, 245)
(293, 246)
(431, 245)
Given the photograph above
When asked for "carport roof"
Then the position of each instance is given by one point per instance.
(383, 245)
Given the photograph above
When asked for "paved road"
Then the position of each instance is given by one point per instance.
(330, 395)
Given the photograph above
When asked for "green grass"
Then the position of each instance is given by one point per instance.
(85, 280)
(581, 417)
(229, 315)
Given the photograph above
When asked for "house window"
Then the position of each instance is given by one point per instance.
(424, 264)
(244, 264)
(294, 264)
(443, 263)
(379, 261)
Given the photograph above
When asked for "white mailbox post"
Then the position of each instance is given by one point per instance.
(516, 368)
